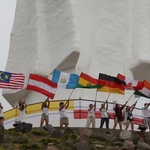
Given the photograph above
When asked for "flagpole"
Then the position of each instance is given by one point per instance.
(108, 96)
(26, 89)
(96, 95)
(71, 93)
(138, 98)
(130, 97)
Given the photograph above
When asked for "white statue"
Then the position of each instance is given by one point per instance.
(92, 36)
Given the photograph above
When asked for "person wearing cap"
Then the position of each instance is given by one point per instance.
(146, 115)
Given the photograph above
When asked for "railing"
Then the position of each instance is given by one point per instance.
(78, 107)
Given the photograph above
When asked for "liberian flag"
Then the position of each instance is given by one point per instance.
(145, 91)
(65, 80)
(42, 85)
(86, 81)
(111, 84)
(13, 81)
(130, 84)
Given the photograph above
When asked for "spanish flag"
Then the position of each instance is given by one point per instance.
(111, 84)
(86, 81)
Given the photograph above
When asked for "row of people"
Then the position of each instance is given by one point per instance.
(122, 112)
(118, 109)
(62, 111)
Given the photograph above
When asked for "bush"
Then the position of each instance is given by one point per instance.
(29, 147)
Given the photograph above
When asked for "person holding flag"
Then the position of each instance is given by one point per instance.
(146, 115)
(63, 116)
(22, 112)
(104, 115)
(1, 114)
(118, 115)
(130, 119)
(91, 115)
(45, 106)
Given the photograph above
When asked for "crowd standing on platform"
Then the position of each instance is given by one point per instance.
(122, 112)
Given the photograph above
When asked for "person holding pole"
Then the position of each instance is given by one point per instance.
(22, 112)
(1, 114)
(45, 106)
(104, 115)
(63, 116)
(91, 115)
(130, 119)
(118, 115)
(146, 115)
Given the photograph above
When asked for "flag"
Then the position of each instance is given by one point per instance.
(11, 80)
(130, 84)
(42, 85)
(65, 80)
(86, 81)
(111, 84)
(145, 91)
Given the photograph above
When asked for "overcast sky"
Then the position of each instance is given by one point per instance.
(7, 11)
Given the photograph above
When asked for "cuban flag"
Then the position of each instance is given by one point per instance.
(65, 80)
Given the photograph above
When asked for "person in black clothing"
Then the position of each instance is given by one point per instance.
(129, 110)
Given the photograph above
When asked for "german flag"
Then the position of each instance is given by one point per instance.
(111, 84)
(86, 81)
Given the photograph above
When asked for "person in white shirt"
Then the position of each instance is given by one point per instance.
(104, 115)
(63, 116)
(1, 114)
(44, 117)
(146, 115)
(91, 115)
(22, 111)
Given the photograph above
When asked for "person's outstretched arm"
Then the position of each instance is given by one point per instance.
(124, 105)
(106, 104)
(48, 101)
(67, 104)
(133, 106)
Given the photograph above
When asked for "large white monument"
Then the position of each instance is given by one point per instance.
(92, 36)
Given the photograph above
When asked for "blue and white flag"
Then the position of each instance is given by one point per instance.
(65, 80)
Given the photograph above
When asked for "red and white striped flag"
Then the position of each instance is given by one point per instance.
(42, 85)
(11, 80)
